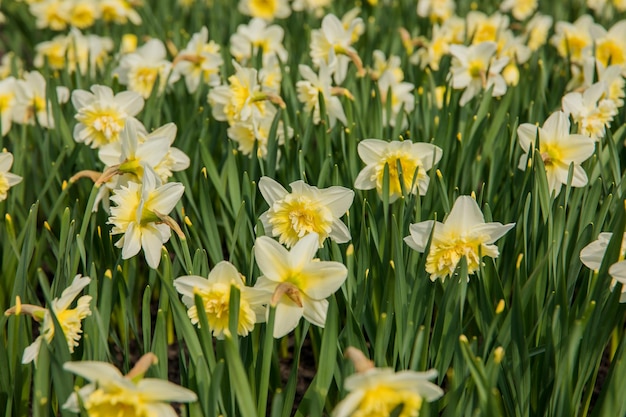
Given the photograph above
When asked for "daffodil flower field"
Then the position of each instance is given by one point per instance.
(314, 208)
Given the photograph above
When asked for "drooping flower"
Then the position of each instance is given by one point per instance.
(299, 283)
(139, 70)
(102, 115)
(112, 394)
(558, 150)
(463, 234)
(306, 209)
(200, 61)
(415, 159)
(69, 318)
(381, 391)
(141, 215)
(7, 179)
(265, 9)
(475, 68)
(593, 254)
(215, 294)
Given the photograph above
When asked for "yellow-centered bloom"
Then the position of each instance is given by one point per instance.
(414, 159)
(69, 318)
(215, 294)
(297, 283)
(464, 234)
(7, 179)
(112, 394)
(558, 150)
(382, 392)
(306, 209)
(593, 254)
(265, 9)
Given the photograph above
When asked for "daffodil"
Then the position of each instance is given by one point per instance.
(265, 9)
(298, 283)
(69, 318)
(306, 209)
(590, 110)
(257, 37)
(572, 40)
(483, 28)
(112, 394)
(53, 14)
(141, 215)
(215, 294)
(102, 115)
(7, 179)
(610, 45)
(558, 150)
(436, 10)
(464, 234)
(537, 30)
(140, 69)
(475, 68)
(309, 90)
(521, 9)
(7, 103)
(247, 134)
(316, 7)
(384, 392)
(84, 13)
(119, 11)
(200, 61)
(31, 103)
(593, 254)
(400, 94)
(414, 159)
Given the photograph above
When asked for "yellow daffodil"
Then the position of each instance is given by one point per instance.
(141, 215)
(7, 179)
(381, 392)
(102, 115)
(306, 209)
(112, 394)
(215, 294)
(558, 150)
(69, 319)
(464, 234)
(297, 283)
(593, 254)
(415, 159)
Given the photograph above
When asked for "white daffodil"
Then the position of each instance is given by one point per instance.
(475, 68)
(415, 159)
(257, 37)
(435, 47)
(521, 9)
(31, 103)
(436, 10)
(332, 45)
(593, 254)
(256, 132)
(84, 13)
(572, 40)
(7, 179)
(265, 9)
(483, 28)
(7, 103)
(215, 294)
(316, 7)
(401, 96)
(537, 29)
(306, 209)
(53, 14)
(69, 319)
(241, 99)
(136, 149)
(558, 150)
(112, 394)
(309, 91)
(299, 283)
(382, 64)
(139, 70)
(381, 391)
(200, 61)
(590, 110)
(141, 215)
(611, 77)
(102, 115)
(610, 46)
(463, 234)
(120, 12)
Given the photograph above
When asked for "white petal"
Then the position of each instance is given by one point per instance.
(337, 199)
(164, 199)
(372, 150)
(527, 134)
(364, 180)
(100, 372)
(151, 243)
(271, 190)
(288, 315)
(303, 251)
(132, 241)
(161, 390)
(315, 311)
(465, 214)
(6, 161)
(186, 284)
(419, 235)
(321, 279)
(272, 258)
(494, 230)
